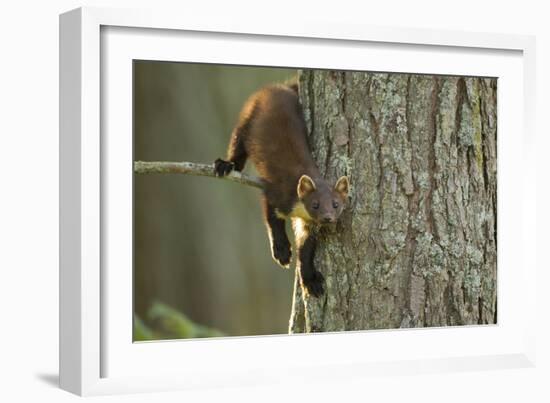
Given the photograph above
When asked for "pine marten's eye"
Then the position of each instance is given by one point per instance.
(335, 204)
(315, 205)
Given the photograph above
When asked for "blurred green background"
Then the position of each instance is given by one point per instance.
(202, 263)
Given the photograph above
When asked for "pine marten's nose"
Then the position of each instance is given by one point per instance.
(328, 219)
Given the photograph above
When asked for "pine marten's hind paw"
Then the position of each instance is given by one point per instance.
(222, 168)
(314, 284)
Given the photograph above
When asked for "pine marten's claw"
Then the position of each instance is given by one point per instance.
(223, 168)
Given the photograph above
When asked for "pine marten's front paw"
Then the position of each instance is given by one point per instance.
(281, 253)
(314, 284)
(222, 168)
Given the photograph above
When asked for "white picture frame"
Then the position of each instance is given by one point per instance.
(96, 355)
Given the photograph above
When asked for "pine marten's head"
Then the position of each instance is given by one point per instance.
(322, 203)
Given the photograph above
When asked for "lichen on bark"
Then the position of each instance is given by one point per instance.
(416, 245)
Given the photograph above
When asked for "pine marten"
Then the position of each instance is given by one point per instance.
(271, 131)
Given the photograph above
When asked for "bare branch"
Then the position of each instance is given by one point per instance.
(192, 168)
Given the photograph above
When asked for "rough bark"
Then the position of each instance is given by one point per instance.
(417, 243)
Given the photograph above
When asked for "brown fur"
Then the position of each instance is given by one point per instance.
(277, 145)
(271, 131)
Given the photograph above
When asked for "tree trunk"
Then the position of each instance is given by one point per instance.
(417, 243)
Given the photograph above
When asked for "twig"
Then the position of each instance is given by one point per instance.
(192, 168)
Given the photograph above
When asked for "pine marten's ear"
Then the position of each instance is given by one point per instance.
(305, 186)
(342, 187)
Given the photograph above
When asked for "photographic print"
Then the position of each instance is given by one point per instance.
(282, 201)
